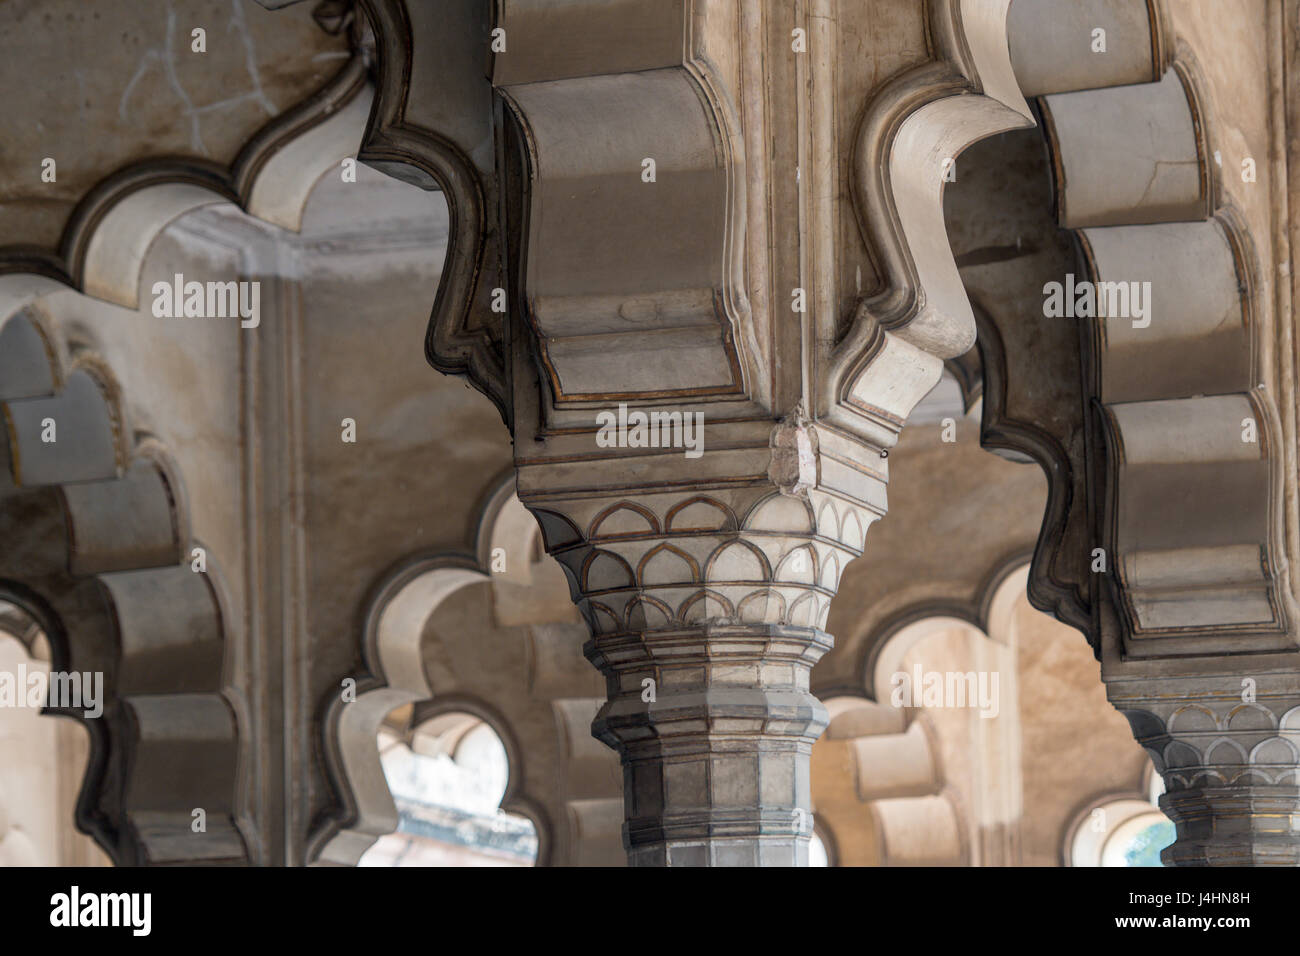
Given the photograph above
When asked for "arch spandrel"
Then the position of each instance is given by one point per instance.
(239, 111)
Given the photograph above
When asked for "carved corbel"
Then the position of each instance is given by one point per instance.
(1169, 469)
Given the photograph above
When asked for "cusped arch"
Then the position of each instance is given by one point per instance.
(1275, 750)
(393, 674)
(515, 799)
(799, 566)
(557, 531)
(645, 612)
(394, 622)
(990, 613)
(99, 550)
(1248, 716)
(852, 533)
(79, 432)
(1226, 752)
(807, 611)
(828, 576)
(1179, 754)
(1140, 185)
(762, 606)
(1193, 719)
(917, 122)
(705, 605)
(108, 236)
(1290, 721)
(828, 520)
(30, 364)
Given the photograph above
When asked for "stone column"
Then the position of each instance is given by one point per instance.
(715, 752)
(706, 604)
(1228, 749)
(659, 221)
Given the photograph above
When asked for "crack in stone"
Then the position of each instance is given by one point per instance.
(166, 59)
(1155, 174)
(169, 67)
(240, 25)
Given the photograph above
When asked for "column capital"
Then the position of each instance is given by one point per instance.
(706, 583)
(658, 541)
(1228, 748)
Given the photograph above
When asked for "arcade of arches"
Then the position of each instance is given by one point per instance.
(707, 432)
